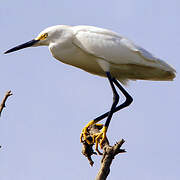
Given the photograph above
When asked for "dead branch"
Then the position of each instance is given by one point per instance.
(3, 105)
(109, 152)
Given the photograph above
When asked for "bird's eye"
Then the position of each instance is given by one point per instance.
(45, 35)
(42, 36)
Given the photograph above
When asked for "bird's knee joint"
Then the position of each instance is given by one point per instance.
(129, 100)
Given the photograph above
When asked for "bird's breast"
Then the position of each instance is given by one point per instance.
(74, 56)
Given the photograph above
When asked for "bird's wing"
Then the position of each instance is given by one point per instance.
(112, 48)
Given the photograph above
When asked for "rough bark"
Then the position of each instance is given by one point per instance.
(109, 152)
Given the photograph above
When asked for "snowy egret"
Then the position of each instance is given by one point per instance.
(104, 53)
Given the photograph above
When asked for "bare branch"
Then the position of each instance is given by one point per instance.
(109, 152)
(2, 105)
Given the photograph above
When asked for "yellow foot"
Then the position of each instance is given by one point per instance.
(99, 138)
(84, 134)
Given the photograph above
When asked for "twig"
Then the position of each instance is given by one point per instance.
(2, 105)
(109, 152)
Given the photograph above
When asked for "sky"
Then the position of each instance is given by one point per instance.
(52, 102)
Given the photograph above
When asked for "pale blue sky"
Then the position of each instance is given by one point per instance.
(40, 128)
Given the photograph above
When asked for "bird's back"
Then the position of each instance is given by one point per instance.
(126, 60)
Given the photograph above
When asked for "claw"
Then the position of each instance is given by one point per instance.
(84, 134)
(99, 139)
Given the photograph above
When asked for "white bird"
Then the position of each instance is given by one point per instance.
(105, 53)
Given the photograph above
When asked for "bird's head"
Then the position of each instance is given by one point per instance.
(47, 36)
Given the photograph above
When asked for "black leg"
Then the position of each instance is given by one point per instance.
(115, 100)
(127, 102)
(100, 137)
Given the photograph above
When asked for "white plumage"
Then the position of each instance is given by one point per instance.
(98, 50)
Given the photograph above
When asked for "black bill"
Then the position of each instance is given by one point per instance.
(22, 46)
